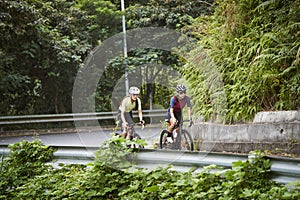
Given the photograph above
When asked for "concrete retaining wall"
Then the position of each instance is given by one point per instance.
(277, 116)
(273, 131)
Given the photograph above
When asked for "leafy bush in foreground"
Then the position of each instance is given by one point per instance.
(106, 178)
(25, 162)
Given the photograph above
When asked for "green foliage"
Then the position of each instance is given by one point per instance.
(43, 44)
(255, 47)
(106, 16)
(53, 38)
(24, 175)
(169, 14)
(246, 61)
(26, 160)
(115, 152)
(145, 66)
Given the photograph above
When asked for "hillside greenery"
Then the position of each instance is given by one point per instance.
(245, 58)
(248, 57)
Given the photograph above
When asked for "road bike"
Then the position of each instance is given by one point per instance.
(132, 135)
(181, 139)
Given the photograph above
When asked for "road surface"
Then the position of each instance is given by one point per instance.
(89, 138)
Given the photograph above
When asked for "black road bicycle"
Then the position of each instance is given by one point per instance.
(181, 139)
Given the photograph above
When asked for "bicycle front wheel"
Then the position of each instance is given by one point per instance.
(186, 141)
(163, 142)
(137, 137)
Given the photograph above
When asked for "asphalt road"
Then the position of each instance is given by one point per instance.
(89, 138)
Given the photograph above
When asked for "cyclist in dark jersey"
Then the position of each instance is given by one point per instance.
(128, 104)
(177, 103)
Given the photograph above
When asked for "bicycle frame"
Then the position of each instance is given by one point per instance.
(131, 133)
(183, 138)
(178, 128)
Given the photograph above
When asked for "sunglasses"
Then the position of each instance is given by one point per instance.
(135, 95)
(181, 92)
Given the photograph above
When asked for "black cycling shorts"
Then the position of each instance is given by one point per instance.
(177, 115)
(128, 118)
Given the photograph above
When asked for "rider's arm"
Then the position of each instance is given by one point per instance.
(172, 103)
(190, 113)
(140, 112)
(189, 108)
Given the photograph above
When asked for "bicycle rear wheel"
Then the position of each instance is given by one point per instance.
(163, 142)
(186, 141)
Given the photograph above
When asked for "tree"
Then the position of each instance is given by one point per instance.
(43, 44)
(147, 63)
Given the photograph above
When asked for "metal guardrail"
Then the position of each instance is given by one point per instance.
(283, 170)
(51, 118)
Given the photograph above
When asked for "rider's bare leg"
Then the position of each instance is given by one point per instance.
(124, 134)
(171, 127)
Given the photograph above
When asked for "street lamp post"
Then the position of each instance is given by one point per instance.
(124, 47)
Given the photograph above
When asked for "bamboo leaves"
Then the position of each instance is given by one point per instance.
(255, 45)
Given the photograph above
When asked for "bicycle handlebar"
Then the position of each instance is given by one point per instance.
(191, 122)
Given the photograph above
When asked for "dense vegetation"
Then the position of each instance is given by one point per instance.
(25, 174)
(43, 44)
(246, 58)
(252, 49)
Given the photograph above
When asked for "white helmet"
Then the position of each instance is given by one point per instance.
(134, 90)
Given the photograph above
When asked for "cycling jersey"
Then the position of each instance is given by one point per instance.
(177, 105)
(127, 105)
